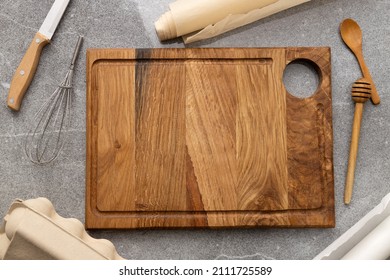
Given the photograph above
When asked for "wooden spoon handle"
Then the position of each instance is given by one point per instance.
(357, 120)
(366, 73)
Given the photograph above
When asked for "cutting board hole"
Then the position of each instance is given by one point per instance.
(301, 78)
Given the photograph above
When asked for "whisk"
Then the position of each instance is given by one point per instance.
(45, 141)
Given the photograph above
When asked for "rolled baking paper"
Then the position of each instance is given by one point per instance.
(237, 20)
(211, 18)
(186, 16)
(375, 246)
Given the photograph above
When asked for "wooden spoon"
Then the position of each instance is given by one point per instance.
(352, 37)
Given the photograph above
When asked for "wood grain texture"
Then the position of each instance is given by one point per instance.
(115, 137)
(160, 137)
(261, 140)
(210, 132)
(206, 138)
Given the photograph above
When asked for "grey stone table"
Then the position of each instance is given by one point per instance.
(130, 24)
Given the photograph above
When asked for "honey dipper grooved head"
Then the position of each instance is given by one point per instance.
(361, 90)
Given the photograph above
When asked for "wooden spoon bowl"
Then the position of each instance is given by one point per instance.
(352, 36)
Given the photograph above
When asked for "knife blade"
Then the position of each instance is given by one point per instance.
(28, 66)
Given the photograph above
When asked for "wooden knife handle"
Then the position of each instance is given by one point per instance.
(25, 72)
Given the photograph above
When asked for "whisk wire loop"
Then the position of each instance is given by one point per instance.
(45, 141)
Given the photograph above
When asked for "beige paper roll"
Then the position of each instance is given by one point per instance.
(237, 20)
(186, 16)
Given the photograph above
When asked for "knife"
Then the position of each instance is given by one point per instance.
(27, 67)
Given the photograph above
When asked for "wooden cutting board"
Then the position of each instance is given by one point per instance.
(207, 138)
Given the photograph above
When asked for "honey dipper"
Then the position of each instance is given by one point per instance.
(361, 92)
